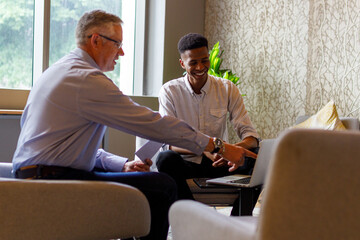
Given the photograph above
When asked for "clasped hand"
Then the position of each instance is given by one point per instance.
(138, 166)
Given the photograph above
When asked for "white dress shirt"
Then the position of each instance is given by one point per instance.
(67, 112)
(206, 111)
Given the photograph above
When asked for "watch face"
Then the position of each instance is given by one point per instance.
(218, 142)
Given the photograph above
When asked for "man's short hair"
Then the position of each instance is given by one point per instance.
(96, 21)
(192, 41)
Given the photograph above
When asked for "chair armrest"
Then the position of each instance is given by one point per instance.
(5, 170)
(67, 209)
(193, 220)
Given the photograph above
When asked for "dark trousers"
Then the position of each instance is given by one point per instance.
(174, 165)
(159, 189)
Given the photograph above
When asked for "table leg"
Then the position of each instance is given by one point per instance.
(246, 201)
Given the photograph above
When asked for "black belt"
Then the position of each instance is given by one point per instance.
(40, 171)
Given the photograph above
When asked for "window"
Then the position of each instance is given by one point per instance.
(16, 43)
(36, 33)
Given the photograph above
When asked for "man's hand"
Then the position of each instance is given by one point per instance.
(233, 166)
(137, 166)
(236, 156)
(218, 161)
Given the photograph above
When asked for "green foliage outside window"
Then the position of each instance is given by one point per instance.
(16, 35)
(16, 43)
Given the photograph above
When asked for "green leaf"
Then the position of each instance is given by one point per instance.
(213, 56)
(215, 64)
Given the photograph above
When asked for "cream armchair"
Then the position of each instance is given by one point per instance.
(311, 192)
(65, 210)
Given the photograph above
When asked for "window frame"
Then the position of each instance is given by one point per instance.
(41, 38)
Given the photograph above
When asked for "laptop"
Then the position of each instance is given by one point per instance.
(259, 172)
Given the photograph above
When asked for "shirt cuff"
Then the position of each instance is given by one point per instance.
(202, 141)
(109, 162)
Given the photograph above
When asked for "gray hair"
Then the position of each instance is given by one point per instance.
(96, 21)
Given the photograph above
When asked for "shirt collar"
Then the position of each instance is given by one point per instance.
(86, 57)
(205, 89)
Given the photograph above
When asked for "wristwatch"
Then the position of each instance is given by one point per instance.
(218, 144)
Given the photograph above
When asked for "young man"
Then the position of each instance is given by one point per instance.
(203, 101)
(67, 112)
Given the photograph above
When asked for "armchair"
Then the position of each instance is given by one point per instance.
(67, 209)
(311, 192)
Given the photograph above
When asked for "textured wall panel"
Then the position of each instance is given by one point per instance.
(292, 56)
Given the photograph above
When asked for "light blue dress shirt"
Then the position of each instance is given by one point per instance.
(67, 112)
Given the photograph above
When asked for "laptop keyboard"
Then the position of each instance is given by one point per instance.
(242, 180)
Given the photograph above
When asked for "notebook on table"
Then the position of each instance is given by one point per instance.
(258, 174)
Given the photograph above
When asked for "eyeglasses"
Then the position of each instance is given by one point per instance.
(119, 44)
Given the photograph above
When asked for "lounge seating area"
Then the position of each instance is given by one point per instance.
(311, 192)
(301, 196)
(289, 58)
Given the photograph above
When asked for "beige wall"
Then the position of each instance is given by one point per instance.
(167, 21)
(292, 56)
(182, 17)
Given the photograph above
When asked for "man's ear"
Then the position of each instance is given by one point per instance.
(182, 63)
(95, 41)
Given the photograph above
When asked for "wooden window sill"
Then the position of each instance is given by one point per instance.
(11, 112)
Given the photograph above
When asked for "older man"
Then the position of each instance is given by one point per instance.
(71, 105)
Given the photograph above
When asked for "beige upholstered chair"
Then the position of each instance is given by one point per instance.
(65, 210)
(311, 192)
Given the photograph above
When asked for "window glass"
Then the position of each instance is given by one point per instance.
(18, 62)
(63, 20)
(16, 43)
